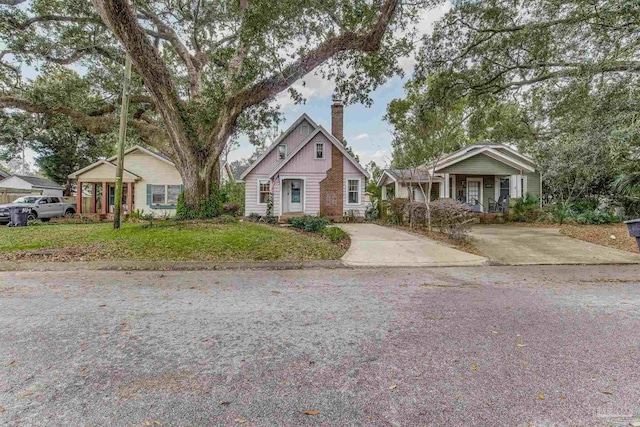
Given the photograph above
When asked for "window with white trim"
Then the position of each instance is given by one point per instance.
(353, 191)
(319, 150)
(173, 192)
(282, 151)
(505, 189)
(264, 190)
(305, 129)
(163, 195)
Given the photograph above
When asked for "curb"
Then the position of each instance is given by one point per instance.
(168, 265)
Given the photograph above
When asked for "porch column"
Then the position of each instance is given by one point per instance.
(447, 188)
(442, 186)
(516, 189)
(454, 192)
(129, 197)
(79, 197)
(94, 195)
(105, 198)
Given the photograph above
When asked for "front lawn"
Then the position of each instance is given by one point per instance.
(169, 240)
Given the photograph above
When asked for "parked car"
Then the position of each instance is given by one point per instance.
(42, 207)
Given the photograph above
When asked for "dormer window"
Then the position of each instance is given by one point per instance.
(282, 151)
(319, 150)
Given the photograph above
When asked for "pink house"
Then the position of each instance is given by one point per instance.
(307, 171)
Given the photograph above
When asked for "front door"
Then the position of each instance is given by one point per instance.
(474, 191)
(295, 195)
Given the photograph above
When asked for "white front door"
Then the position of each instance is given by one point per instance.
(474, 191)
(294, 195)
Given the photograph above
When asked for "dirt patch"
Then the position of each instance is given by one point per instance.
(168, 382)
(90, 252)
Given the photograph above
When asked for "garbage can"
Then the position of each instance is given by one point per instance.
(19, 216)
(634, 229)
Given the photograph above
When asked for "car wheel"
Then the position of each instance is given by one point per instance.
(69, 213)
(32, 216)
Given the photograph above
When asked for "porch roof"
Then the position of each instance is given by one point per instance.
(102, 171)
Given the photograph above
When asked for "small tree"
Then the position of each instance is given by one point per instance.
(428, 125)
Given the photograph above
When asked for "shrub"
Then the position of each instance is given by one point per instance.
(311, 223)
(397, 210)
(253, 217)
(335, 234)
(521, 209)
(231, 208)
(226, 219)
(448, 216)
(208, 208)
(596, 216)
(350, 216)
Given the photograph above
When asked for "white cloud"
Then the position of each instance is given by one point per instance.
(310, 86)
(381, 157)
(361, 136)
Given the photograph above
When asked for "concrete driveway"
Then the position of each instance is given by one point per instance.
(377, 246)
(534, 245)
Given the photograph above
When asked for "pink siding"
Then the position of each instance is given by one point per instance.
(305, 161)
(291, 141)
(350, 168)
(251, 204)
(359, 208)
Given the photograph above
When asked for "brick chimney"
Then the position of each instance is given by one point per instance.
(337, 119)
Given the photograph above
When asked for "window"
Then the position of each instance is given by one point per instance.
(54, 200)
(504, 188)
(319, 150)
(173, 191)
(282, 151)
(451, 188)
(353, 191)
(264, 191)
(304, 129)
(158, 194)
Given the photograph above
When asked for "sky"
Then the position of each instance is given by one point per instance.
(365, 130)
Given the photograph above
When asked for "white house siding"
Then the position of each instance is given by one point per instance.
(17, 183)
(153, 171)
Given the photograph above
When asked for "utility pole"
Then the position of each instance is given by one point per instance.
(124, 111)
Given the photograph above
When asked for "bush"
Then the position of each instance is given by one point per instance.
(311, 223)
(231, 208)
(397, 210)
(253, 217)
(208, 208)
(526, 209)
(447, 215)
(335, 234)
(596, 216)
(350, 216)
(372, 213)
(226, 219)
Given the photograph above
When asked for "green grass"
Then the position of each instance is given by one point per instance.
(189, 241)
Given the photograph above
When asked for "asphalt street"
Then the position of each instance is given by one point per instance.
(464, 346)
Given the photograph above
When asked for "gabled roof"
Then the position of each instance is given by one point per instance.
(519, 157)
(331, 138)
(155, 154)
(40, 182)
(406, 175)
(275, 143)
(99, 163)
(4, 174)
(514, 159)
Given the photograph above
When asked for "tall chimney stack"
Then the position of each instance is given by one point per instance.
(337, 119)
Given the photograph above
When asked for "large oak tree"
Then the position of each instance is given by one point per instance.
(206, 70)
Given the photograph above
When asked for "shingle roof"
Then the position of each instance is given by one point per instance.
(40, 182)
(4, 174)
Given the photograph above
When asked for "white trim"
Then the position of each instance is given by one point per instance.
(315, 151)
(481, 181)
(285, 151)
(144, 150)
(275, 143)
(496, 155)
(496, 187)
(332, 139)
(304, 192)
(346, 184)
(524, 185)
(454, 194)
(258, 188)
(385, 172)
(95, 165)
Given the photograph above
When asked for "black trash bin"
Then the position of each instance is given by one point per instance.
(634, 229)
(19, 216)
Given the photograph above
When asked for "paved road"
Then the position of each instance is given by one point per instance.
(484, 346)
(376, 246)
(513, 245)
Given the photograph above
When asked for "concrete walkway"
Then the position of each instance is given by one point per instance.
(377, 246)
(513, 245)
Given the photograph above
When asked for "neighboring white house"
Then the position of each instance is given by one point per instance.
(32, 184)
(307, 170)
(151, 182)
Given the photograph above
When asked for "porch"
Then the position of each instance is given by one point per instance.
(101, 198)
